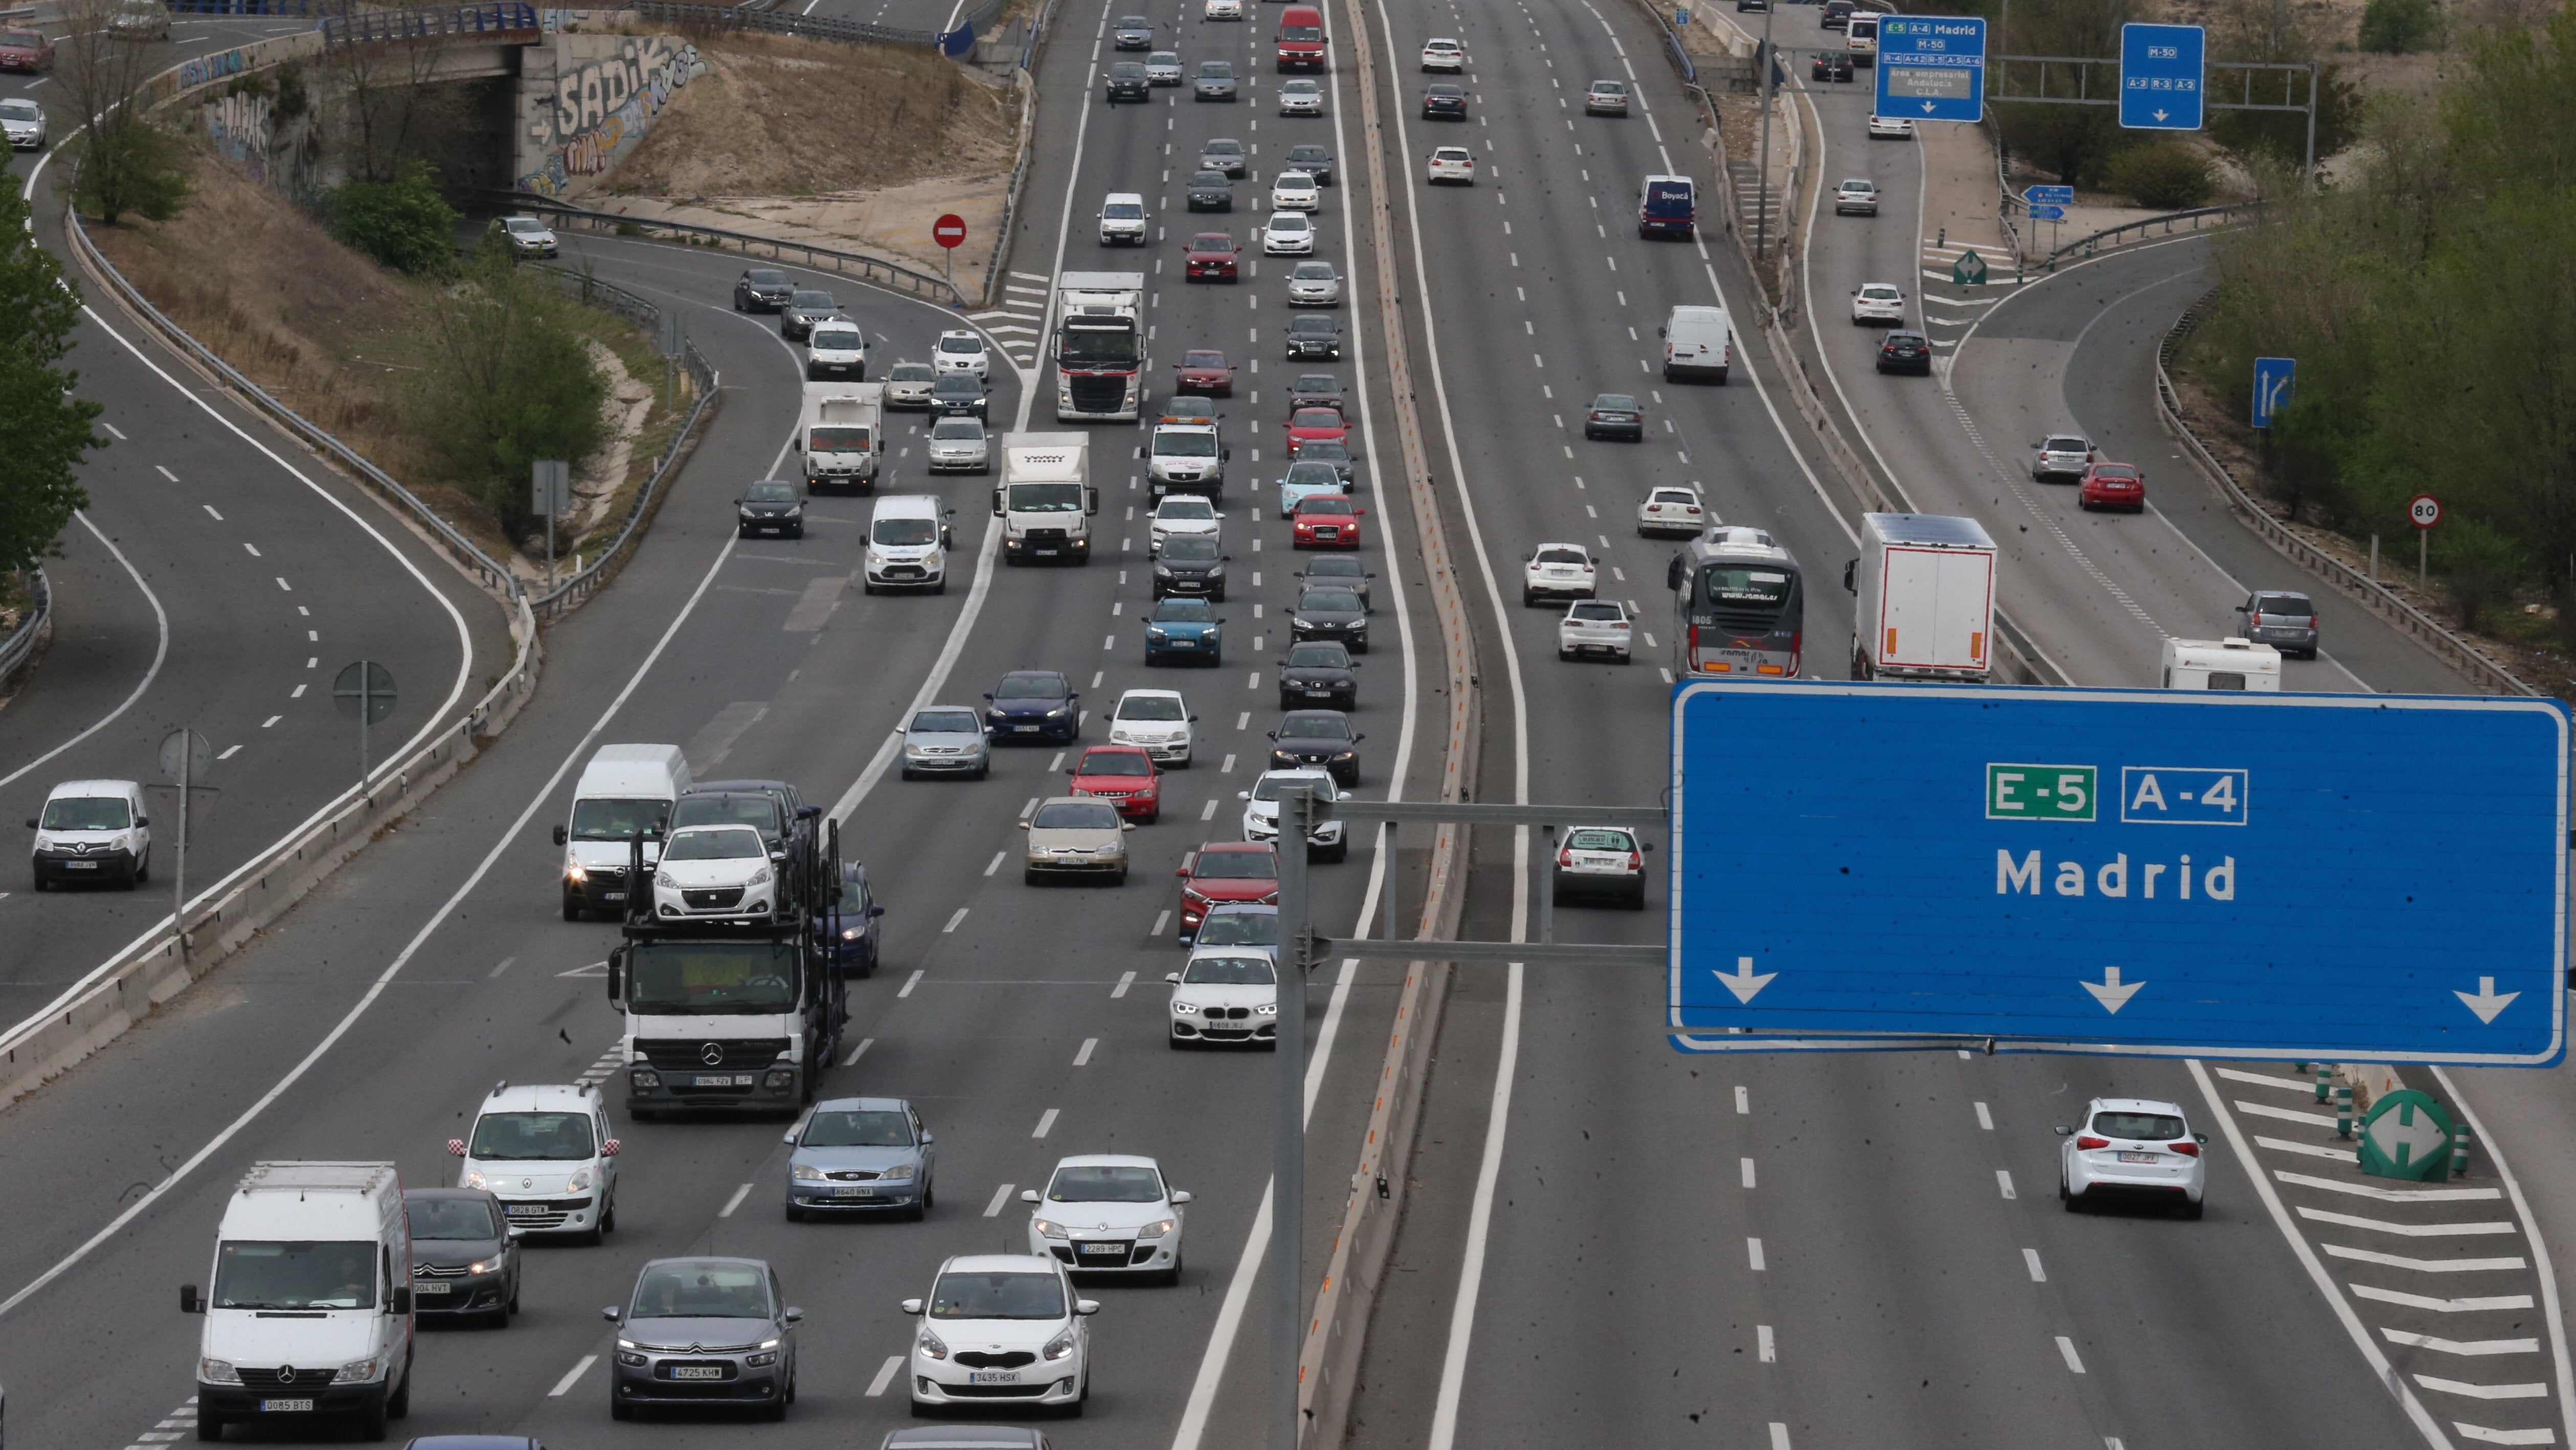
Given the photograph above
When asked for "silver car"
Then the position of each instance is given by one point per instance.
(24, 121)
(946, 740)
(1074, 835)
(859, 1154)
(2287, 622)
(1301, 97)
(1214, 82)
(1314, 284)
(1857, 196)
(1163, 68)
(2062, 456)
(958, 445)
(704, 1332)
(909, 385)
(1223, 154)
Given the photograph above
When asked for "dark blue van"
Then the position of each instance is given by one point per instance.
(1668, 207)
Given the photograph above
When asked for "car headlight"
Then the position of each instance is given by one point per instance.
(217, 1372)
(1060, 1346)
(849, 933)
(358, 1371)
(488, 1266)
(1267, 1010)
(930, 1344)
(805, 1173)
(645, 1080)
(1059, 710)
(762, 1360)
(1216, 573)
(1157, 1230)
(1047, 1228)
(579, 1181)
(665, 878)
(1185, 1009)
(1162, 571)
(630, 1358)
(573, 871)
(1299, 621)
(761, 877)
(474, 1179)
(1155, 631)
(900, 1173)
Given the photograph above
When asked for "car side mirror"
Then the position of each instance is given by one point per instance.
(1525, 558)
(142, 820)
(31, 820)
(1086, 1307)
(911, 1306)
(1126, 825)
(793, 1315)
(988, 697)
(1194, 719)
(927, 1138)
(1181, 871)
(1356, 739)
(2064, 1131)
(1180, 1196)
(1273, 734)
(189, 1303)
(1646, 845)
(1850, 566)
(1172, 977)
(1028, 1195)
(560, 835)
(401, 1299)
(789, 1137)
(1673, 573)
(875, 911)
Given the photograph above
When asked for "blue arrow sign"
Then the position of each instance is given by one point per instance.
(2372, 878)
(2273, 377)
(2161, 70)
(1931, 68)
(2048, 213)
(2050, 196)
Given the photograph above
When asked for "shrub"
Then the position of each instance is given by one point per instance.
(2394, 27)
(2165, 175)
(129, 165)
(403, 223)
(512, 382)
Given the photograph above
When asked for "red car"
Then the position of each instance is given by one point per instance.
(25, 50)
(1204, 370)
(1223, 871)
(2113, 486)
(1211, 257)
(1123, 774)
(1317, 425)
(1326, 521)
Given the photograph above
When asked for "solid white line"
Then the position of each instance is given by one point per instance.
(1046, 1122)
(2424, 1266)
(734, 1202)
(2462, 1346)
(2552, 1311)
(858, 1052)
(2066, 1347)
(885, 1375)
(571, 1376)
(160, 652)
(2387, 1195)
(1001, 1196)
(2410, 1230)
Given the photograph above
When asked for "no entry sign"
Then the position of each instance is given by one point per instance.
(949, 231)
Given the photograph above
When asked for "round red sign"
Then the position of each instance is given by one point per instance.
(949, 230)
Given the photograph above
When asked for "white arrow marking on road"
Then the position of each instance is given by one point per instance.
(2110, 992)
(2488, 1002)
(1744, 984)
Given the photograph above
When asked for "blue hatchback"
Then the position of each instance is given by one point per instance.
(1184, 629)
(1035, 705)
(850, 923)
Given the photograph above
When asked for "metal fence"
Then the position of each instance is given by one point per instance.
(822, 259)
(816, 27)
(21, 643)
(2108, 237)
(498, 18)
(248, 7)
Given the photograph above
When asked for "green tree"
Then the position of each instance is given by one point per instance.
(2165, 175)
(403, 223)
(127, 164)
(513, 380)
(49, 429)
(2394, 27)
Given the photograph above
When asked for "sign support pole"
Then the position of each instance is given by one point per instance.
(1288, 1173)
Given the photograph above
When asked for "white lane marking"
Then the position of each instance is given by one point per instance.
(297, 693)
(1001, 1196)
(1747, 1164)
(210, 512)
(572, 1376)
(1985, 1119)
(1753, 1254)
(2410, 1230)
(2505, 1437)
(885, 1375)
(2004, 1183)
(911, 982)
(229, 752)
(2038, 1275)
(955, 917)
(1764, 1346)
(2461, 1346)
(1227, 768)
(858, 1052)
(2284, 1145)
(1779, 1432)
(1046, 1123)
(110, 427)
(1743, 1099)
(271, 720)
(1083, 1058)
(2487, 1392)
(1030, 809)
(253, 548)
(1128, 979)
(2287, 1115)
(1208, 812)
(2424, 1266)
(506, 964)
(2066, 1347)
(2553, 1314)
(160, 653)
(2472, 1305)
(996, 863)
(739, 1194)
(2387, 1195)
(2265, 1079)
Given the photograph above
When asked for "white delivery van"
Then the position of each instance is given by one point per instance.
(1860, 37)
(842, 435)
(1699, 342)
(310, 1310)
(544, 1150)
(836, 348)
(2221, 664)
(908, 544)
(625, 791)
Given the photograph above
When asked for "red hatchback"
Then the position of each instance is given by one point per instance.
(25, 50)
(1124, 775)
(1317, 425)
(1224, 871)
(1211, 257)
(1326, 521)
(2114, 486)
(1204, 370)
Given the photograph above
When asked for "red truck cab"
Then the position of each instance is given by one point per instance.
(1301, 38)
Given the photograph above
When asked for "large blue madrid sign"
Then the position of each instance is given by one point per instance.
(2157, 872)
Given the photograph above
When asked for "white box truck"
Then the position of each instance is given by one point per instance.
(2221, 664)
(309, 1313)
(1926, 585)
(1045, 499)
(624, 792)
(842, 435)
(1099, 347)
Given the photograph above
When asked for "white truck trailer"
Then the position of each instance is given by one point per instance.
(1926, 585)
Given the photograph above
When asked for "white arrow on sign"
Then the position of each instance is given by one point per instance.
(1927, 107)
(2160, 115)
(2111, 992)
(1744, 984)
(2488, 1003)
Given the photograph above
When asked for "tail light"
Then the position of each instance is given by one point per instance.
(1636, 862)
(1565, 858)
(2088, 1141)
(2186, 1148)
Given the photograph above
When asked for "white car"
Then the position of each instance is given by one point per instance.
(1295, 191)
(1122, 221)
(1595, 627)
(1325, 840)
(1673, 509)
(1222, 10)
(93, 830)
(1225, 994)
(1891, 128)
(1301, 97)
(962, 351)
(1878, 302)
(544, 1150)
(1181, 514)
(1557, 571)
(1000, 1307)
(1451, 163)
(2061, 456)
(959, 445)
(1857, 196)
(2131, 1148)
(715, 873)
(1157, 722)
(1444, 54)
(528, 236)
(1108, 1213)
(24, 122)
(1314, 284)
(1287, 234)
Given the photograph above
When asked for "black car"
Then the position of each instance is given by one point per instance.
(1132, 32)
(464, 1258)
(1342, 570)
(1836, 15)
(958, 395)
(1325, 450)
(805, 307)
(1190, 564)
(1831, 65)
(771, 506)
(849, 923)
(1312, 159)
(1317, 740)
(1127, 82)
(1317, 390)
(762, 289)
(1039, 705)
(1905, 352)
(1615, 415)
(1319, 673)
(1444, 102)
(1330, 611)
(1314, 334)
(1211, 191)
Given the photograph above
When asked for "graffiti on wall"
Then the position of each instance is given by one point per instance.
(601, 109)
(240, 127)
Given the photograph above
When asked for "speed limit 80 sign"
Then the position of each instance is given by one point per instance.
(2425, 510)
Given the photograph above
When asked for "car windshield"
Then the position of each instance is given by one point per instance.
(1879, 293)
(2068, 445)
(1453, 153)
(836, 440)
(1267, 788)
(1230, 972)
(1164, 57)
(911, 373)
(1316, 418)
(1314, 271)
(2278, 604)
(1316, 383)
(1202, 358)
(771, 493)
(1319, 657)
(859, 1128)
(1183, 611)
(1116, 210)
(1447, 90)
(1562, 556)
(1105, 1183)
(531, 1137)
(947, 722)
(711, 978)
(1615, 403)
(1115, 762)
(1288, 221)
(1331, 504)
(1190, 507)
(1591, 610)
(1240, 929)
(902, 532)
(1076, 816)
(1151, 707)
(1298, 87)
(969, 429)
(1235, 866)
(450, 1218)
(1212, 243)
(997, 1296)
(1185, 443)
(2138, 1127)
(1326, 450)
(17, 110)
(22, 40)
(1314, 727)
(1329, 567)
(1030, 687)
(264, 1274)
(1673, 496)
(726, 843)
(702, 1291)
(1311, 475)
(1329, 601)
(2114, 470)
(616, 820)
(523, 225)
(1744, 586)
(821, 300)
(1046, 498)
(85, 813)
(959, 385)
(1598, 840)
(837, 339)
(1215, 70)
(1856, 184)
(759, 812)
(1222, 148)
(1217, 179)
(1190, 549)
(1613, 88)
(763, 277)
(1314, 322)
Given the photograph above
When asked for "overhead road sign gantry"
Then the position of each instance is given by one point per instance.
(1931, 68)
(2362, 878)
(2163, 75)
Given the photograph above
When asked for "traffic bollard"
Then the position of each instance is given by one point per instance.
(2325, 1076)
(2343, 1111)
(2459, 1150)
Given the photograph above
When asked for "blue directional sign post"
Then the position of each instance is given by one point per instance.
(2049, 195)
(2047, 212)
(2162, 70)
(2372, 878)
(2273, 377)
(1931, 67)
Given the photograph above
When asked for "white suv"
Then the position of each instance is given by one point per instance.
(1122, 220)
(1444, 54)
(1325, 840)
(1001, 1307)
(715, 873)
(93, 830)
(1557, 571)
(1156, 722)
(2132, 1148)
(1108, 1213)
(961, 352)
(544, 1151)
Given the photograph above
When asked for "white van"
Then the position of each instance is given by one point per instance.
(841, 434)
(1699, 342)
(908, 543)
(2221, 664)
(625, 791)
(1860, 37)
(544, 1151)
(310, 1310)
(836, 348)
(93, 830)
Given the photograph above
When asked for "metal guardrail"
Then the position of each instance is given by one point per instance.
(22, 640)
(2160, 224)
(514, 18)
(245, 7)
(1028, 87)
(816, 27)
(822, 259)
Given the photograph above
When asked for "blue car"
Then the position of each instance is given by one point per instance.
(850, 923)
(1184, 629)
(859, 1155)
(1034, 705)
(1307, 479)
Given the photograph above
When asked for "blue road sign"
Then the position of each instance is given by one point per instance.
(2048, 213)
(1931, 67)
(2049, 196)
(2161, 71)
(2273, 379)
(2364, 878)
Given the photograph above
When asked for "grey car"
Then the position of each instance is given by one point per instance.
(761, 289)
(1163, 68)
(2061, 456)
(1316, 390)
(805, 307)
(1223, 154)
(1343, 570)
(1214, 81)
(1076, 835)
(946, 740)
(1211, 190)
(704, 1332)
(464, 1255)
(966, 1437)
(2288, 622)
(958, 395)
(1314, 284)
(1312, 159)
(959, 445)
(1314, 334)
(858, 1155)
(1328, 611)
(1240, 924)
(908, 384)
(1132, 32)
(771, 506)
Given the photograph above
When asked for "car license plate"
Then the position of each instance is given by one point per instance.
(527, 1210)
(847, 1192)
(1101, 1251)
(2138, 1157)
(276, 1407)
(431, 1286)
(1314, 694)
(612, 896)
(1025, 729)
(721, 1079)
(697, 1372)
(992, 1376)
(80, 865)
(1185, 644)
(1046, 553)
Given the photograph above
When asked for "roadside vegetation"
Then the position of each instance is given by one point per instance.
(49, 429)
